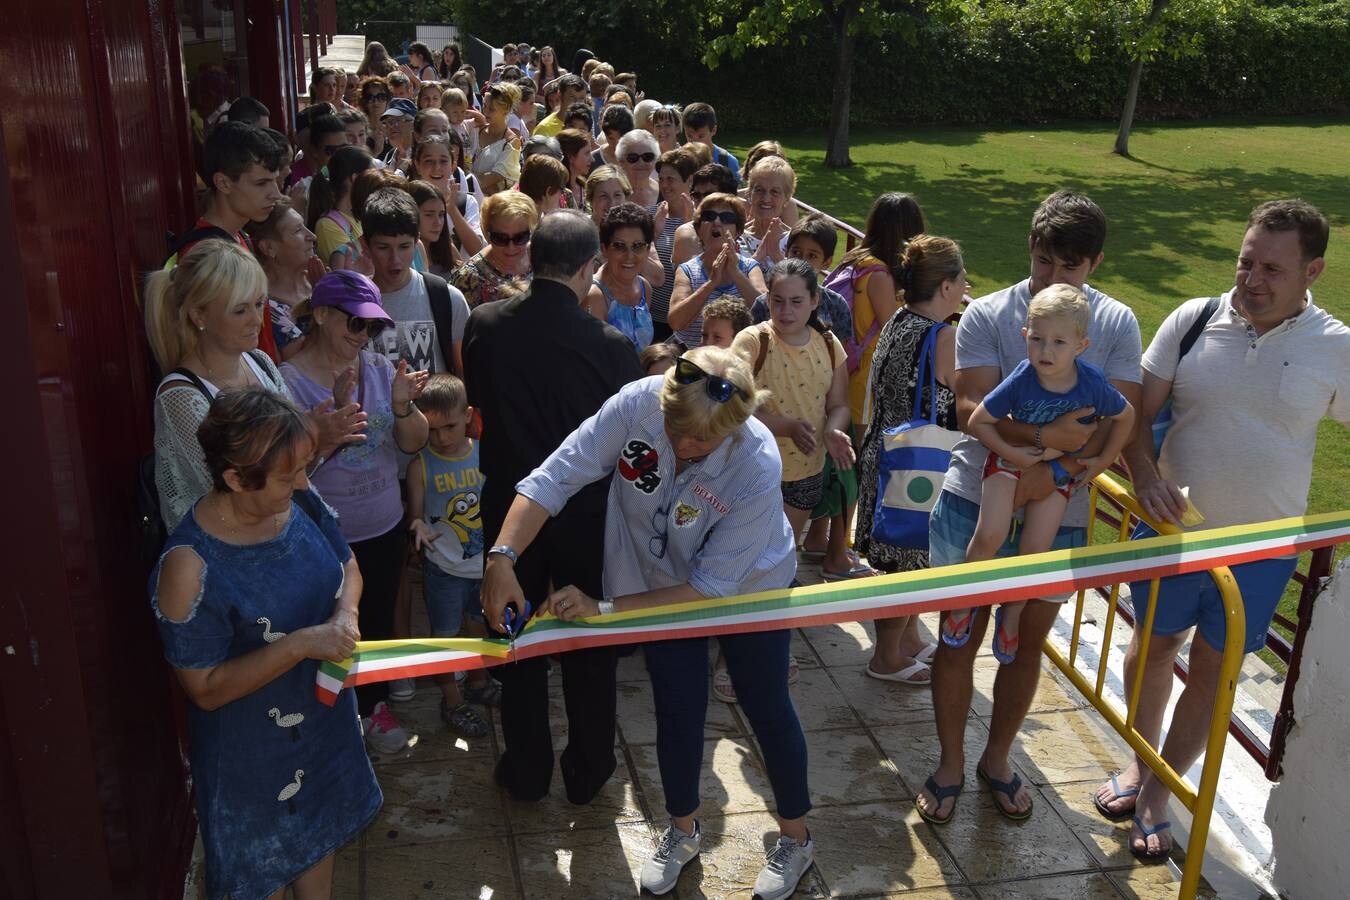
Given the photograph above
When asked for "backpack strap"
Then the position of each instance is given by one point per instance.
(189, 376)
(264, 364)
(763, 351)
(1193, 333)
(829, 347)
(193, 236)
(443, 314)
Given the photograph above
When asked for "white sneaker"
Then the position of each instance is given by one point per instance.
(384, 733)
(785, 865)
(402, 690)
(675, 848)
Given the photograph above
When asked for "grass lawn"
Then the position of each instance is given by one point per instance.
(1177, 210)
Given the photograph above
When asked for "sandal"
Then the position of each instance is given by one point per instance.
(960, 629)
(464, 719)
(939, 794)
(487, 694)
(722, 687)
(926, 655)
(859, 570)
(1115, 815)
(908, 675)
(1150, 857)
(1009, 641)
(1008, 789)
(794, 671)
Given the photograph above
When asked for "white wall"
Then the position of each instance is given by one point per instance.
(1309, 810)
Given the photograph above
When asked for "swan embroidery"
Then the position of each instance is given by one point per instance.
(290, 720)
(268, 634)
(290, 790)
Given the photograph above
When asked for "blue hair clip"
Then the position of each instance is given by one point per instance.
(324, 171)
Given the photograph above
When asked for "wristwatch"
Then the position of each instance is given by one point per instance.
(505, 550)
(606, 607)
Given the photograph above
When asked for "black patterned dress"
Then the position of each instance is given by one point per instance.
(894, 375)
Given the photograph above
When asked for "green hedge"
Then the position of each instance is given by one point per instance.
(1014, 60)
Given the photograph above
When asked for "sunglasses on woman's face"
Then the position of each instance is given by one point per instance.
(377, 98)
(635, 158)
(718, 388)
(725, 216)
(499, 239)
(638, 247)
(372, 327)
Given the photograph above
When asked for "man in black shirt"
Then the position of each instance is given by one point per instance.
(537, 366)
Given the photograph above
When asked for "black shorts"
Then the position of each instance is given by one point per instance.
(806, 493)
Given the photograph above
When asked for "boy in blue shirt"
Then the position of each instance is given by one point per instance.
(444, 489)
(1050, 382)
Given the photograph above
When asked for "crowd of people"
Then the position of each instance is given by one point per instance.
(533, 343)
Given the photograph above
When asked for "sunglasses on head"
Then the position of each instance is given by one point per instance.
(725, 216)
(638, 247)
(356, 324)
(635, 158)
(719, 389)
(498, 239)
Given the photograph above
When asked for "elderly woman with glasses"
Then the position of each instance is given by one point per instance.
(361, 480)
(637, 152)
(502, 268)
(694, 513)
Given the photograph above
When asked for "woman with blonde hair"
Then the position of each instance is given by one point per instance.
(694, 512)
(770, 188)
(502, 268)
(497, 162)
(202, 319)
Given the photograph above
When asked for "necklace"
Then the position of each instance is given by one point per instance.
(236, 530)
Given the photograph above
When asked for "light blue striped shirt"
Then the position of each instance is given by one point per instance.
(718, 525)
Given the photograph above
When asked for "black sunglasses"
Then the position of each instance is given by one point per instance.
(377, 98)
(634, 158)
(718, 388)
(726, 216)
(498, 239)
(330, 149)
(356, 324)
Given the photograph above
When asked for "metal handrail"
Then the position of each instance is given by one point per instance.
(851, 235)
(1199, 800)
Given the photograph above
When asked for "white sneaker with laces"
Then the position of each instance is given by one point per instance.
(785, 865)
(673, 850)
(384, 734)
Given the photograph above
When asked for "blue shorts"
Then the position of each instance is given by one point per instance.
(449, 598)
(952, 524)
(1186, 600)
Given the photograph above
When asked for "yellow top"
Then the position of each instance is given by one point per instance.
(331, 236)
(863, 317)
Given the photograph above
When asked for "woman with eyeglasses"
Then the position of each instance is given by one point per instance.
(772, 184)
(502, 268)
(694, 513)
(637, 152)
(606, 188)
(719, 270)
(361, 481)
(619, 294)
(373, 98)
(497, 162)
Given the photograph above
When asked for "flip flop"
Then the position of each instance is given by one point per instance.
(1008, 789)
(1115, 815)
(1147, 856)
(722, 687)
(811, 556)
(939, 794)
(961, 634)
(1004, 659)
(926, 654)
(859, 570)
(907, 675)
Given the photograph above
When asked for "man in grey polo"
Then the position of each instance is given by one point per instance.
(1258, 377)
(1068, 232)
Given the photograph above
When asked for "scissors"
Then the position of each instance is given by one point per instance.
(513, 622)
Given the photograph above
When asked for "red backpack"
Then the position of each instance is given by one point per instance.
(844, 280)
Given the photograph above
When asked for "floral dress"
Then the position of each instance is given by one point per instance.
(281, 779)
(481, 282)
(894, 376)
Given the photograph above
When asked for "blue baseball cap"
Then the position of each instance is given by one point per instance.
(400, 108)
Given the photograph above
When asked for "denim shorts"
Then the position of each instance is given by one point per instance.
(1193, 599)
(449, 599)
(952, 524)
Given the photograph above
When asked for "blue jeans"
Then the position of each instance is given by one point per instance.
(758, 664)
(448, 598)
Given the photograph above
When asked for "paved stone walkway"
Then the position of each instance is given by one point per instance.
(447, 831)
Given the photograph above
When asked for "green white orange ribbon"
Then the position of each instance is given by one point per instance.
(905, 593)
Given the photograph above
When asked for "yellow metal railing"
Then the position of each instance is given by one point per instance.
(1200, 799)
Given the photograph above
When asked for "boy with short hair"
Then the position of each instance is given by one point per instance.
(1052, 380)
(445, 487)
(400, 85)
(580, 116)
(700, 126)
(723, 319)
(599, 83)
(428, 313)
(571, 89)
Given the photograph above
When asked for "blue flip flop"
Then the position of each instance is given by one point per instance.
(1115, 815)
(1150, 857)
(1008, 789)
(940, 794)
(961, 637)
(1004, 659)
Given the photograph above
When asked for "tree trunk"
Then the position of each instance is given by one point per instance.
(836, 151)
(1122, 147)
(1127, 114)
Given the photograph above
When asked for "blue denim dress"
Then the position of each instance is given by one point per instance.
(281, 780)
